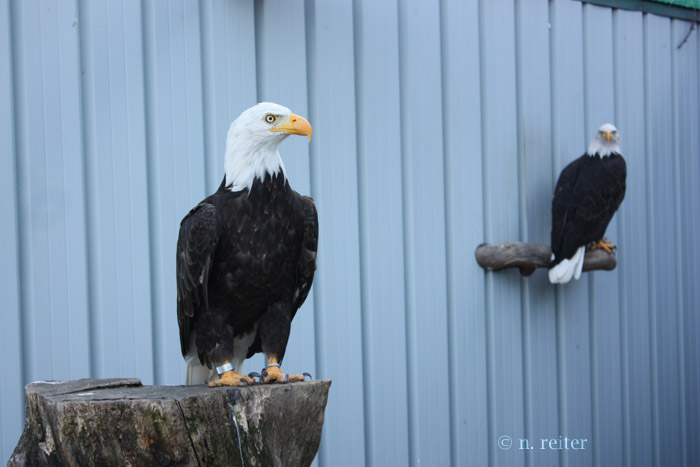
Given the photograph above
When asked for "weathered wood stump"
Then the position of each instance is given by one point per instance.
(120, 422)
(530, 256)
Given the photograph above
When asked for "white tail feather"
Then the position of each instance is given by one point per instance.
(579, 264)
(197, 374)
(568, 268)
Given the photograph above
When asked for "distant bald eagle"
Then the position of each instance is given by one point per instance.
(589, 191)
(246, 256)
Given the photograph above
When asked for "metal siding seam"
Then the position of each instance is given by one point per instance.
(314, 166)
(693, 319)
(501, 179)
(152, 191)
(257, 30)
(650, 251)
(87, 129)
(79, 325)
(592, 337)
(562, 399)
(22, 187)
(408, 242)
(85, 177)
(362, 204)
(695, 284)
(447, 167)
(553, 135)
(12, 415)
(208, 132)
(679, 239)
(664, 248)
(488, 289)
(63, 214)
(338, 245)
(526, 330)
(49, 261)
(624, 338)
(465, 287)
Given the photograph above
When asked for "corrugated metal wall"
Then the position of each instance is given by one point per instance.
(437, 126)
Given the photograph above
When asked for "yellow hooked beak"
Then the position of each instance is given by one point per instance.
(608, 136)
(295, 125)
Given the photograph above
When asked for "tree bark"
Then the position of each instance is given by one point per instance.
(120, 422)
(530, 256)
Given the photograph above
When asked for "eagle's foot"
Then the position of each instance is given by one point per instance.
(274, 374)
(231, 378)
(609, 247)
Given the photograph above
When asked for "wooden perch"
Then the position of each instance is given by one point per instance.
(120, 422)
(530, 256)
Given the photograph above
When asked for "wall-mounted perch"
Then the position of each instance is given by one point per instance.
(530, 256)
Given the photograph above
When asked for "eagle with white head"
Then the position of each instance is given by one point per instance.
(587, 194)
(246, 256)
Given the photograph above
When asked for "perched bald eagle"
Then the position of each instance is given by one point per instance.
(589, 191)
(246, 256)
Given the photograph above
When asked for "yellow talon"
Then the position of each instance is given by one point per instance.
(231, 378)
(273, 373)
(609, 247)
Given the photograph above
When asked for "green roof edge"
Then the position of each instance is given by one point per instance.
(646, 6)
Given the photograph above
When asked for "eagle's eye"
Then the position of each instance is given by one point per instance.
(269, 118)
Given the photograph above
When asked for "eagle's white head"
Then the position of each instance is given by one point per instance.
(606, 141)
(251, 144)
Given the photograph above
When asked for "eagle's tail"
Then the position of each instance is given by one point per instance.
(568, 268)
(197, 374)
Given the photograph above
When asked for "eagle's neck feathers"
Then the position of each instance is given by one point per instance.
(603, 148)
(248, 158)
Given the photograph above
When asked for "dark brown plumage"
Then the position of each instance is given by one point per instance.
(244, 261)
(589, 191)
(246, 256)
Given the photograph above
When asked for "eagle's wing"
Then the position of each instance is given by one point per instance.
(564, 210)
(199, 234)
(307, 257)
(580, 214)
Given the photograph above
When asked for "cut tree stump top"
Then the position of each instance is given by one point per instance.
(121, 422)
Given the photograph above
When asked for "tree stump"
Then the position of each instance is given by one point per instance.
(120, 422)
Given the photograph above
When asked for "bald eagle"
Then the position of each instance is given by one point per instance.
(246, 256)
(587, 194)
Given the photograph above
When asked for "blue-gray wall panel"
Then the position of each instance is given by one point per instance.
(633, 235)
(684, 140)
(50, 190)
(228, 75)
(536, 188)
(381, 231)
(606, 444)
(116, 188)
(463, 181)
(687, 136)
(174, 104)
(11, 331)
(664, 297)
(501, 223)
(437, 126)
(334, 178)
(424, 252)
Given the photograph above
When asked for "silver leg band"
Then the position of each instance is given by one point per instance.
(273, 364)
(224, 368)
